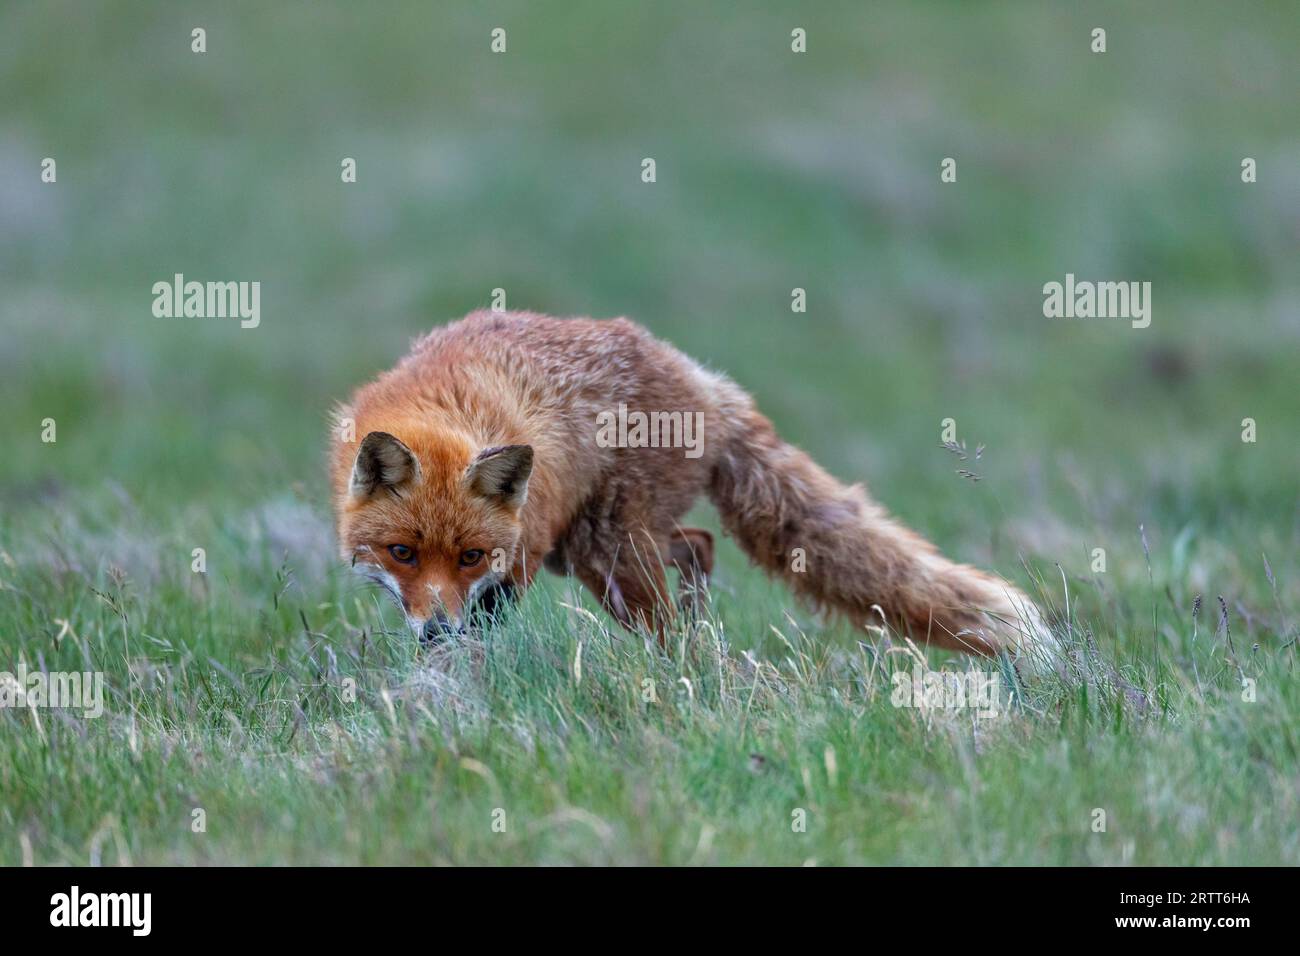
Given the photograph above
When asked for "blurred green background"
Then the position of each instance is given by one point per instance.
(775, 170)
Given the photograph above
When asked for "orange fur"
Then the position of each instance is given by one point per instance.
(611, 515)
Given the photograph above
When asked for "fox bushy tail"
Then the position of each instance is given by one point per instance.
(841, 551)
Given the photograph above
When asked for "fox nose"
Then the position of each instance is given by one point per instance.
(440, 627)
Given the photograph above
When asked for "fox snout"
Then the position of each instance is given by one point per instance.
(484, 607)
(438, 628)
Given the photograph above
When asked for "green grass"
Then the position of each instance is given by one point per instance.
(227, 690)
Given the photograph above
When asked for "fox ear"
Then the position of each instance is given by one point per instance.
(382, 462)
(502, 473)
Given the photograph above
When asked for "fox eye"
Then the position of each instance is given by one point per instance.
(401, 552)
(470, 558)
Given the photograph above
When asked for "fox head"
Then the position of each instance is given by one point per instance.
(437, 524)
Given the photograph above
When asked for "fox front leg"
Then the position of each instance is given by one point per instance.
(691, 552)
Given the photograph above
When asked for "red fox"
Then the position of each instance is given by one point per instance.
(491, 450)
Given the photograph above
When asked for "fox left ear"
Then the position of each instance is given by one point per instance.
(383, 461)
(502, 473)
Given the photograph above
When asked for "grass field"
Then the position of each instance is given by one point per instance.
(287, 702)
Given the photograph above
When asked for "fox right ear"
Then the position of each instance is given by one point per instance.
(501, 473)
(383, 461)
